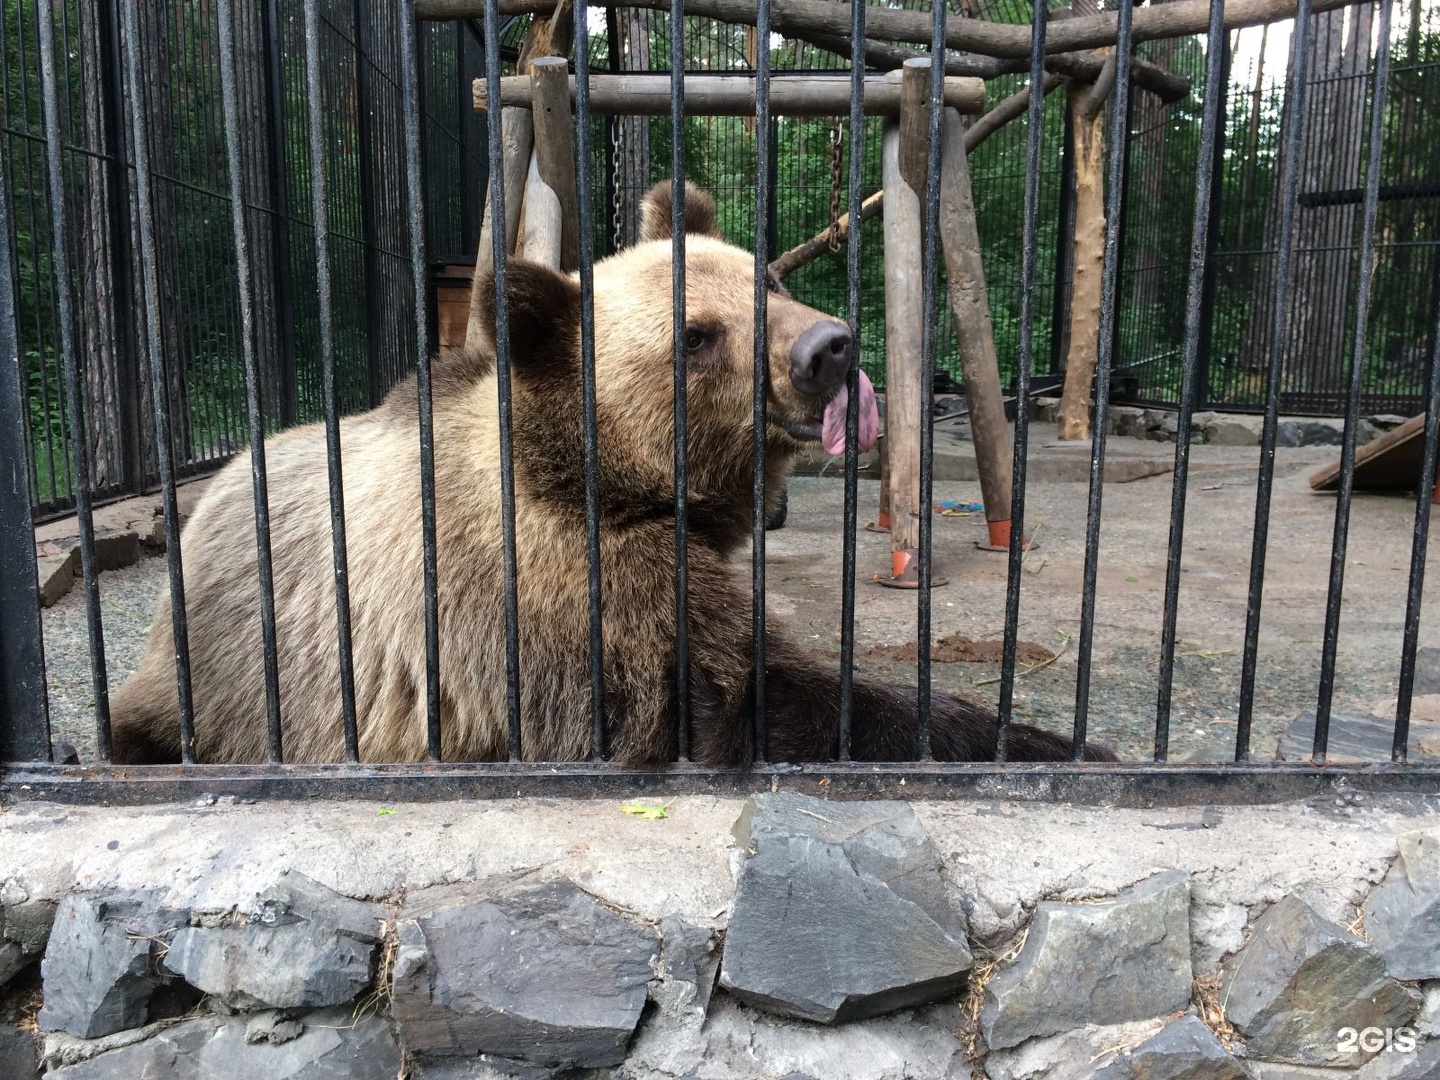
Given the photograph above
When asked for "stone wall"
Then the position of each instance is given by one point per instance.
(784, 936)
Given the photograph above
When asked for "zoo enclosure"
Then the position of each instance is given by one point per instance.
(23, 733)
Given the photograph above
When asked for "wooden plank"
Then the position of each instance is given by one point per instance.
(734, 95)
(1390, 463)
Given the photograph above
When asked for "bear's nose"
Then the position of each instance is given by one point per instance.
(820, 358)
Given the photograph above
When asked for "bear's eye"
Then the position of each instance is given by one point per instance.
(695, 339)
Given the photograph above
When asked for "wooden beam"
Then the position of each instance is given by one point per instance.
(1006, 40)
(734, 95)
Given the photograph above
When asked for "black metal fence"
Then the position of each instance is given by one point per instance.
(239, 222)
(189, 177)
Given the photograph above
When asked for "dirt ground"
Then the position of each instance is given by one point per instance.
(804, 566)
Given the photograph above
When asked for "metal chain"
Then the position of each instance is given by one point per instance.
(834, 238)
(617, 219)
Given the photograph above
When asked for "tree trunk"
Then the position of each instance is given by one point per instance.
(1089, 258)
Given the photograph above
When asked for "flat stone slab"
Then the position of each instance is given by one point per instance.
(685, 974)
(544, 975)
(332, 1046)
(1301, 980)
(1402, 915)
(101, 965)
(1096, 963)
(299, 946)
(19, 1054)
(1184, 1049)
(840, 911)
(1357, 739)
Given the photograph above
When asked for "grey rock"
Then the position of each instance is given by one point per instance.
(333, 1046)
(1320, 432)
(1402, 915)
(101, 966)
(1300, 980)
(272, 1026)
(543, 975)
(1419, 1063)
(300, 946)
(19, 1054)
(62, 1049)
(1288, 433)
(1233, 430)
(1071, 1055)
(840, 911)
(24, 930)
(1184, 1049)
(1428, 1022)
(1103, 963)
(1427, 670)
(685, 971)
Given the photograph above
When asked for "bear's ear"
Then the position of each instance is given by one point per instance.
(544, 310)
(699, 213)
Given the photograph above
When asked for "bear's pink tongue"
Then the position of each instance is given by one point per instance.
(833, 432)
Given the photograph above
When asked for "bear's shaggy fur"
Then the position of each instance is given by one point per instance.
(633, 361)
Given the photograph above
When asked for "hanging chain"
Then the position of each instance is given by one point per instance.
(834, 238)
(617, 218)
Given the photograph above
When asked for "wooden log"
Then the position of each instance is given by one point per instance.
(734, 95)
(797, 18)
(904, 319)
(544, 38)
(515, 145)
(1006, 110)
(974, 334)
(555, 152)
(544, 219)
(1089, 259)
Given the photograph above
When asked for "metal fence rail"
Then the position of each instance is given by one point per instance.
(25, 751)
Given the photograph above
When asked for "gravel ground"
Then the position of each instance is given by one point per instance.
(804, 568)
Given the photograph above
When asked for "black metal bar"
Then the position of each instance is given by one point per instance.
(284, 278)
(930, 273)
(1196, 316)
(587, 376)
(1109, 289)
(677, 294)
(159, 385)
(1416, 189)
(1064, 251)
(117, 184)
(1212, 242)
(246, 286)
(502, 378)
(852, 377)
(1092, 784)
(1290, 151)
(374, 331)
(464, 110)
(1330, 640)
(65, 314)
(764, 235)
(24, 702)
(319, 191)
(1023, 362)
(415, 196)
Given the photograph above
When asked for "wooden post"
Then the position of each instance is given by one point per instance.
(555, 154)
(544, 219)
(1088, 125)
(544, 38)
(903, 157)
(974, 334)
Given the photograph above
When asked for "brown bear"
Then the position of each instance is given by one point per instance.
(809, 355)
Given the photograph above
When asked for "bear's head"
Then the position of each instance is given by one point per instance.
(808, 357)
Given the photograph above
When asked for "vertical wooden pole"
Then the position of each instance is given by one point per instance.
(555, 154)
(974, 334)
(903, 162)
(517, 136)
